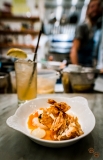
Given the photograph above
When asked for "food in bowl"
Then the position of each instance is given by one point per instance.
(79, 107)
(54, 122)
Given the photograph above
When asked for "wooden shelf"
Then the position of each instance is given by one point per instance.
(18, 18)
(12, 18)
(19, 32)
(17, 46)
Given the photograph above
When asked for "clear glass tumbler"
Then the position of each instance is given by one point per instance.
(13, 81)
(4, 82)
(26, 80)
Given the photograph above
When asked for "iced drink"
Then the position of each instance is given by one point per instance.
(26, 80)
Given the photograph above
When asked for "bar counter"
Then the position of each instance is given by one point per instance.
(16, 146)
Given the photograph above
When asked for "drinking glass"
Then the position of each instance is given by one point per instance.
(13, 81)
(3, 82)
(26, 80)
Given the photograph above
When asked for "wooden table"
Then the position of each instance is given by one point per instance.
(16, 146)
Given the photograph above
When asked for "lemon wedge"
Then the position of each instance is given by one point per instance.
(17, 53)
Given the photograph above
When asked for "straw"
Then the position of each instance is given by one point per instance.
(35, 55)
(34, 67)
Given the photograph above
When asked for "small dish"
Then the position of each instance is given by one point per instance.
(79, 106)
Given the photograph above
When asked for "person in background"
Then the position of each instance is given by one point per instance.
(83, 49)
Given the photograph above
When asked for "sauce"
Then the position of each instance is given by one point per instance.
(30, 121)
(32, 126)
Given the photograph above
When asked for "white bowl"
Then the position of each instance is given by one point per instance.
(79, 106)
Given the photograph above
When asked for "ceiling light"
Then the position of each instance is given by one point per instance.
(74, 2)
(86, 2)
(59, 2)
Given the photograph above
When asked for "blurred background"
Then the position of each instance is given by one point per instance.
(21, 21)
(57, 18)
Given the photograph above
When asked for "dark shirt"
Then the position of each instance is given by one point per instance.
(85, 34)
